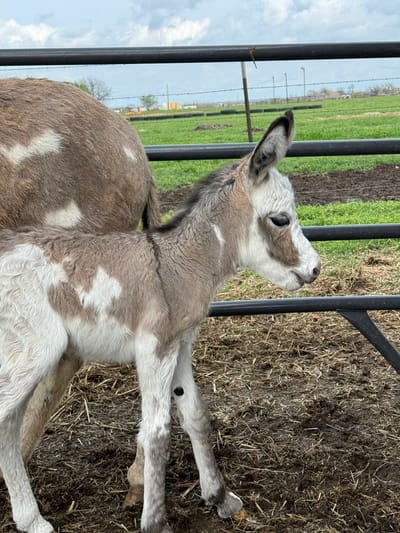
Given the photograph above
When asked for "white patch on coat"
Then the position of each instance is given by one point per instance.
(32, 336)
(155, 374)
(105, 338)
(218, 234)
(29, 257)
(130, 154)
(47, 142)
(65, 217)
(105, 289)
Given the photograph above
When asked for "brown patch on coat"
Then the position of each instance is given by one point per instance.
(280, 243)
(64, 299)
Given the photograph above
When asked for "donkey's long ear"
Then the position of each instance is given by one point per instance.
(272, 148)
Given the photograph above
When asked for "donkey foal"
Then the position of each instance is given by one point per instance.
(140, 297)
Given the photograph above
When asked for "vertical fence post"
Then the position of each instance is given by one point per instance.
(246, 102)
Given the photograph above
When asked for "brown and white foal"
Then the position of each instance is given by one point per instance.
(139, 297)
(67, 161)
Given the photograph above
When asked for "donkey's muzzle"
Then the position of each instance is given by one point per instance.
(308, 277)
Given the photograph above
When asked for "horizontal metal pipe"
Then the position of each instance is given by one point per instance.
(197, 54)
(181, 152)
(303, 305)
(352, 232)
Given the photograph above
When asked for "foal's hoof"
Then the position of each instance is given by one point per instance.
(134, 496)
(230, 506)
(39, 525)
(158, 529)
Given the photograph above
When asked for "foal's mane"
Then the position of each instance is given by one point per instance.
(206, 187)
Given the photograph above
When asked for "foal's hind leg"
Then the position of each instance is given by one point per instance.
(195, 421)
(24, 507)
(44, 402)
(19, 374)
(28, 352)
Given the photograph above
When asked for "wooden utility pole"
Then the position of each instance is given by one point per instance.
(247, 103)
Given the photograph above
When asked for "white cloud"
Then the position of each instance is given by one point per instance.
(175, 31)
(330, 20)
(171, 31)
(15, 35)
(278, 12)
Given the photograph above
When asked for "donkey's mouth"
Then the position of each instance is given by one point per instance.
(299, 278)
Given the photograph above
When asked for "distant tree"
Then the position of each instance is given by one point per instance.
(375, 90)
(148, 101)
(81, 86)
(95, 87)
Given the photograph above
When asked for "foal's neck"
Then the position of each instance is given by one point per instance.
(201, 252)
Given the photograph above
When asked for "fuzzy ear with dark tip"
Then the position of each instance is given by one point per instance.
(272, 148)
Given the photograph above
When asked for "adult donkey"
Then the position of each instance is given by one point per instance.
(68, 161)
(139, 297)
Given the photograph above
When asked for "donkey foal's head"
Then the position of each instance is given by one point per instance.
(275, 246)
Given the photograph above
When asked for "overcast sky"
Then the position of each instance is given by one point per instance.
(90, 23)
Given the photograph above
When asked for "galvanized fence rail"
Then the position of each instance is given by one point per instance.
(352, 308)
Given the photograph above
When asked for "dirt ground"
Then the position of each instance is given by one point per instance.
(305, 415)
(382, 183)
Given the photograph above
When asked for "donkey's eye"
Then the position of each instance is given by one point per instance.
(280, 220)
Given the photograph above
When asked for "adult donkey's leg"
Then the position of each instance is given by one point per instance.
(136, 479)
(195, 421)
(45, 401)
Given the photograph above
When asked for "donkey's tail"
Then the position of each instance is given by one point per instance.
(151, 217)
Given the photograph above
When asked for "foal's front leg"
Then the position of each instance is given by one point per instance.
(155, 375)
(195, 421)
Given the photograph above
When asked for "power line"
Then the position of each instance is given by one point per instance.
(259, 87)
(271, 87)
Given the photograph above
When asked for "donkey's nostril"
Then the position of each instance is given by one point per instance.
(316, 271)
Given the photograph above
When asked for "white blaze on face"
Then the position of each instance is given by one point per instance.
(129, 154)
(286, 259)
(47, 142)
(65, 217)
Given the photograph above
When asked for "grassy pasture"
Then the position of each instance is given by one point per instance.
(363, 118)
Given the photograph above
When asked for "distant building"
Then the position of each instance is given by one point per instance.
(173, 106)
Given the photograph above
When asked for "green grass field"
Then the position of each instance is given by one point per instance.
(379, 212)
(362, 118)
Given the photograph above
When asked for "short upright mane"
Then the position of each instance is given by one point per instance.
(208, 185)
